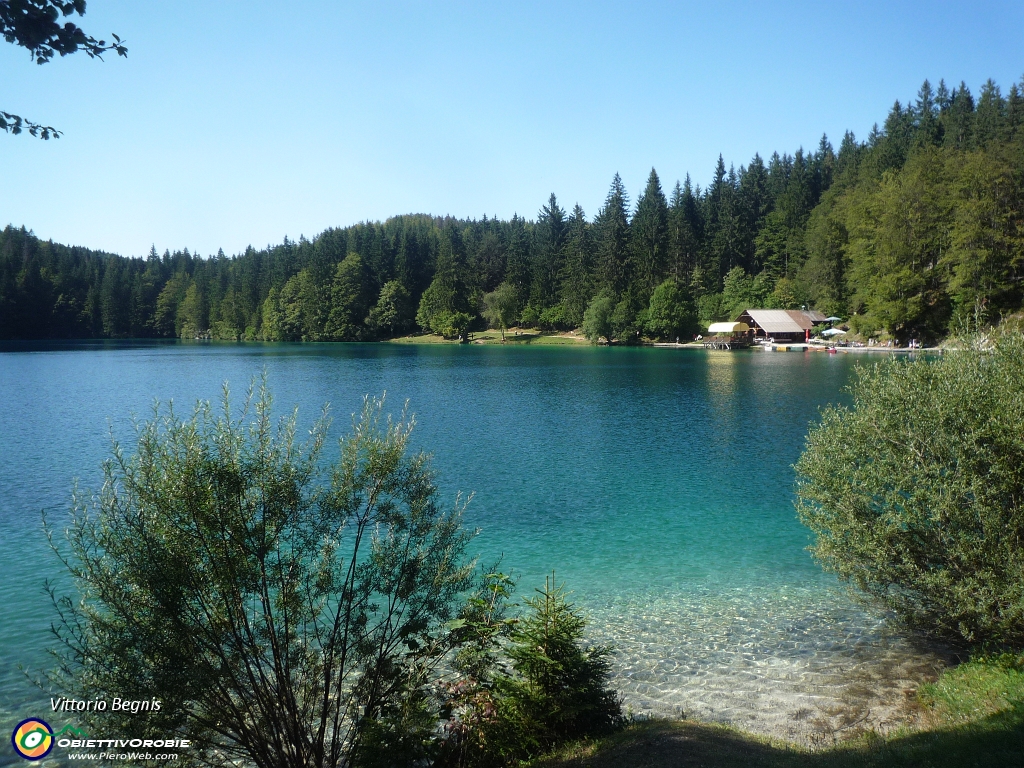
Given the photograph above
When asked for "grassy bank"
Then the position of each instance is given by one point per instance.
(972, 716)
(513, 337)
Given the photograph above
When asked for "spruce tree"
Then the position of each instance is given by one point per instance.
(550, 233)
(517, 258)
(990, 115)
(753, 203)
(1014, 112)
(959, 120)
(650, 238)
(849, 154)
(926, 116)
(577, 273)
(823, 166)
(722, 227)
(613, 236)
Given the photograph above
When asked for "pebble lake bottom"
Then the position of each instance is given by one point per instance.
(656, 483)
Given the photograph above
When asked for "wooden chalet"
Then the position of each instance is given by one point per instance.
(781, 324)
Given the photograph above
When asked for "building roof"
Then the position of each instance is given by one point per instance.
(780, 320)
(728, 328)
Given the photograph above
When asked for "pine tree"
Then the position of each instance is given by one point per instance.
(577, 273)
(848, 159)
(613, 236)
(517, 259)
(114, 301)
(550, 233)
(943, 98)
(715, 216)
(650, 239)
(449, 292)
(753, 203)
(926, 116)
(725, 232)
(959, 120)
(683, 228)
(1014, 111)
(990, 115)
(823, 167)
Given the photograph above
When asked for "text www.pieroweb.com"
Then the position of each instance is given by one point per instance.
(138, 756)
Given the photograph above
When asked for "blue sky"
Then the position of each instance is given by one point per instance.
(234, 123)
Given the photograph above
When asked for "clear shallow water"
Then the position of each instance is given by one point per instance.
(657, 482)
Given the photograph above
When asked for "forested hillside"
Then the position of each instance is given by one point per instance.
(904, 233)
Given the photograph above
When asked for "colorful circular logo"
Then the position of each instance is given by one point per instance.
(33, 739)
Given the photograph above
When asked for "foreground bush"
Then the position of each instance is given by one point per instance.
(559, 687)
(527, 683)
(288, 613)
(916, 491)
(283, 612)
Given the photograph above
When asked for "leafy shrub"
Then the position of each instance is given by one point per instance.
(469, 708)
(554, 319)
(671, 313)
(711, 308)
(597, 320)
(286, 613)
(529, 317)
(916, 491)
(450, 325)
(865, 326)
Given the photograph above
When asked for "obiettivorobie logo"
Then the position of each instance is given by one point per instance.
(33, 739)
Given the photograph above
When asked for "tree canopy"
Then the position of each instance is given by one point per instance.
(904, 234)
(916, 491)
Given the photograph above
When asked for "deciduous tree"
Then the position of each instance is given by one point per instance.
(283, 612)
(915, 492)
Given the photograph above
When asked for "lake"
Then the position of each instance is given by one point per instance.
(657, 483)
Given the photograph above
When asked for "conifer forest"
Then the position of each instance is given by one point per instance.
(906, 233)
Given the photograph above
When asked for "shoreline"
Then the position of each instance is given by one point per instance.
(555, 338)
(805, 347)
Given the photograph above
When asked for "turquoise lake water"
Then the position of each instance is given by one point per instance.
(656, 482)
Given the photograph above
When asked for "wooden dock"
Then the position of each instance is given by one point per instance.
(726, 344)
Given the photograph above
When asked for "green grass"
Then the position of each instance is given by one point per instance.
(426, 338)
(540, 337)
(494, 337)
(977, 689)
(973, 716)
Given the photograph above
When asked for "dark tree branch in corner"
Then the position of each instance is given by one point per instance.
(35, 25)
(14, 124)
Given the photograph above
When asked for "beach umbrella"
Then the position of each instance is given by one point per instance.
(832, 332)
(833, 319)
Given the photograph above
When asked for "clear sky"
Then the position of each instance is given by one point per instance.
(234, 123)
